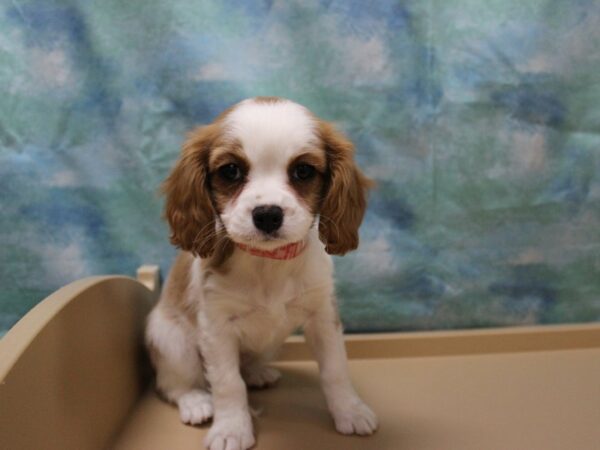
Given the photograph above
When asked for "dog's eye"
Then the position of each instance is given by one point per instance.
(230, 172)
(304, 172)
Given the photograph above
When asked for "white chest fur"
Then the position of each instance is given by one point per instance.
(263, 300)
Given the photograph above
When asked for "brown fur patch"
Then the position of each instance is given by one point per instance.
(309, 191)
(314, 157)
(224, 190)
(345, 200)
(229, 152)
(176, 295)
(268, 99)
(178, 285)
(189, 208)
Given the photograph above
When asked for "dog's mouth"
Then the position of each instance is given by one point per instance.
(263, 241)
(259, 239)
(267, 237)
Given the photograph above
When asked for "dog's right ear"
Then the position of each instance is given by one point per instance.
(189, 209)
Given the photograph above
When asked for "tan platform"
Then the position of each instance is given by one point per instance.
(73, 376)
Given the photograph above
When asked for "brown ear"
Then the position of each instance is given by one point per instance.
(345, 200)
(189, 209)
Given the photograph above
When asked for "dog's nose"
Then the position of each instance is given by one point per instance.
(267, 218)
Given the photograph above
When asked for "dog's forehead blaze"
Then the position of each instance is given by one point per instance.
(272, 130)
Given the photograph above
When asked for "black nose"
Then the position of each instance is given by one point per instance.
(267, 218)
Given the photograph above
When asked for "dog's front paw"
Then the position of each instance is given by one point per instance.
(232, 432)
(356, 418)
(261, 376)
(195, 407)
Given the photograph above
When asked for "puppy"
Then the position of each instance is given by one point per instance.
(257, 202)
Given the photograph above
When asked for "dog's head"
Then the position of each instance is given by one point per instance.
(260, 175)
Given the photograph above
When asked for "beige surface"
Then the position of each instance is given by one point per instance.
(542, 400)
(72, 377)
(458, 342)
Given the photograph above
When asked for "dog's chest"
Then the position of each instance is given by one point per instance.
(264, 309)
(269, 314)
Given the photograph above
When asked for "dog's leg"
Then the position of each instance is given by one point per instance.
(258, 375)
(324, 336)
(178, 368)
(232, 424)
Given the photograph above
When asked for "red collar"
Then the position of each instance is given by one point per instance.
(288, 251)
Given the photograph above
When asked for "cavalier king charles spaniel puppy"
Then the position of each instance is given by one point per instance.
(257, 202)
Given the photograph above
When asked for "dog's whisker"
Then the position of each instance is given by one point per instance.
(202, 230)
(332, 223)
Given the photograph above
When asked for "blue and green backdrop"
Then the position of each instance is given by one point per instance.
(480, 122)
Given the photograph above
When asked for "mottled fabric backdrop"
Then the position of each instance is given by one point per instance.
(480, 121)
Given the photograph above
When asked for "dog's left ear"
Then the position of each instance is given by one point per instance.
(343, 206)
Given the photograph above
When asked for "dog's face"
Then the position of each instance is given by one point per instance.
(260, 175)
(268, 174)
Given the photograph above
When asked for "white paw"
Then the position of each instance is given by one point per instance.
(195, 407)
(232, 432)
(355, 419)
(261, 376)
